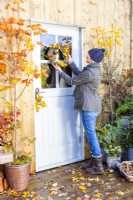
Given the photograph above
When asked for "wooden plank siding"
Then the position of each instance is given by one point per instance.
(89, 13)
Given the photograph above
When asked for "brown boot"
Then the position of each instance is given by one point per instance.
(97, 167)
(88, 164)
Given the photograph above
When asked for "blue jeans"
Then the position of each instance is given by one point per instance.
(89, 123)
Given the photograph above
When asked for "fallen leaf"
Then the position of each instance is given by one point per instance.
(87, 196)
(119, 193)
(89, 184)
(55, 184)
(98, 194)
(82, 187)
(75, 179)
(53, 192)
(54, 171)
(97, 179)
(82, 178)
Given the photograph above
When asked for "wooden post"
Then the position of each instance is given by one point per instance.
(131, 33)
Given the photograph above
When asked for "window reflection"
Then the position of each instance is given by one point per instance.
(66, 41)
(48, 52)
(46, 40)
(50, 81)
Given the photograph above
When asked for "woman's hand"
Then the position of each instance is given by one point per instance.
(69, 59)
(57, 67)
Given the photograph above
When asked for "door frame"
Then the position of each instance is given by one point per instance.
(80, 43)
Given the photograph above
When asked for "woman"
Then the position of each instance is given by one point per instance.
(87, 100)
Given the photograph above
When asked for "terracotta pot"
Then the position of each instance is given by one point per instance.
(17, 176)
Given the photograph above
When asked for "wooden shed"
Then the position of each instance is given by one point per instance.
(58, 128)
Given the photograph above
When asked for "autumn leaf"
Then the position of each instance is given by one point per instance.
(89, 184)
(2, 57)
(119, 43)
(39, 102)
(55, 184)
(7, 6)
(82, 178)
(14, 81)
(98, 194)
(8, 105)
(16, 2)
(2, 88)
(16, 194)
(120, 193)
(2, 66)
(20, 22)
(40, 43)
(32, 140)
(75, 179)
(82, 187)
(97, 179)
(25, 194)
(62, 64)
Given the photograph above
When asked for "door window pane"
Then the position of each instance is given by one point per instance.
(66, 42)
(54, 79)
(46, 40)
(48, 82)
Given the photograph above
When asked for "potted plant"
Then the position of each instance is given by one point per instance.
(111, 144)
(124, 114)
(127, 139)
(17, 73)
(113, 155)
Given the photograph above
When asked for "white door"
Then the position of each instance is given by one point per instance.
(58, 127)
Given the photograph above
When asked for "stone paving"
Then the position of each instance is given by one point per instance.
(70, 182)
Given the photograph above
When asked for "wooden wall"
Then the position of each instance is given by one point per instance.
(90, 13)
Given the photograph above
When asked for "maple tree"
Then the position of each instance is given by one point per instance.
(109, 39)
(16, 71)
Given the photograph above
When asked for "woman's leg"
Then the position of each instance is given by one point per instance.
(89, 123)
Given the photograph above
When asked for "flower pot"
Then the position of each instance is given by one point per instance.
(17, 176)
(130, 154)
(112, 161)
(124, 155)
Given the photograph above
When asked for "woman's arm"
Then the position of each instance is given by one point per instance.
(82, 78)
(74, 68)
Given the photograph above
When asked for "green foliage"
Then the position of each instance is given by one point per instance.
(126, 138)
(129, 138)
(21, 160)
(110, 134)
(113, 151)
(125, 109)
(43, 82)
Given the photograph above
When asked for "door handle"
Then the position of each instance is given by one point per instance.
(36, 92)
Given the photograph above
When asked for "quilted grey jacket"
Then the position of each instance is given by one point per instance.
(87, 86)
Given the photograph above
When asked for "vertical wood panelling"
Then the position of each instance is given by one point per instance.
(90, 13)
(127, 35)
(131, 42)
(65, 11)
